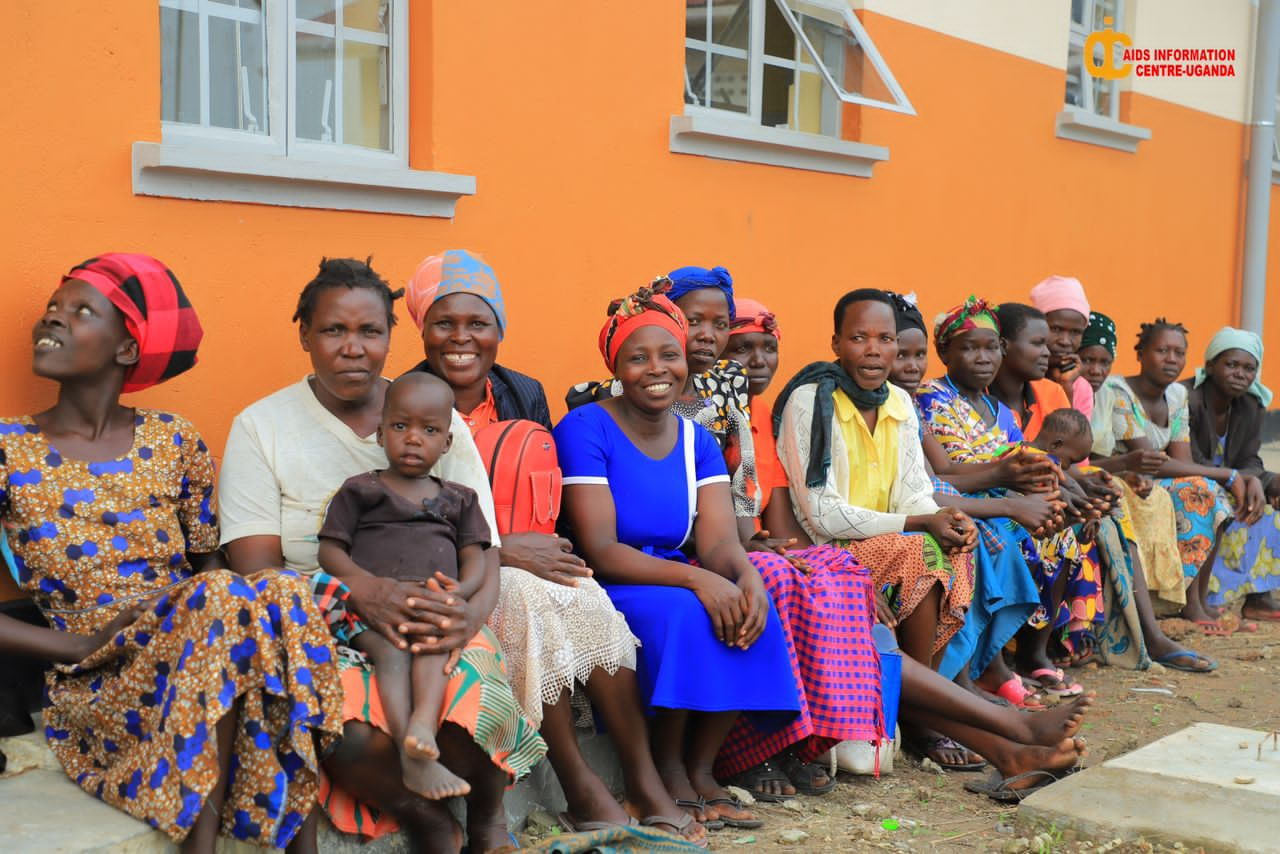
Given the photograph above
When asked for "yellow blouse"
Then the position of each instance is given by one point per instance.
(873, 457)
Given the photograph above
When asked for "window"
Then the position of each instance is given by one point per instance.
(1091, 109)
(300, 77)
(300, 103)
(1094, 94)
(803, 65)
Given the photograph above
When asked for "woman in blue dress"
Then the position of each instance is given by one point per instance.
(640, 484)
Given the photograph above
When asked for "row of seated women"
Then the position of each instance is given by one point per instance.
(223, 662)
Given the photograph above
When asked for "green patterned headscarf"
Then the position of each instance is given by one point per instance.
(1101, 332)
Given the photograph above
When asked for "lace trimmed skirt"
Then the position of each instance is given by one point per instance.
(554, 636)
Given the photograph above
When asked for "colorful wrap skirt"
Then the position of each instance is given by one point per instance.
(826, 616)
(134, 724)
(477, 698)
(906, 567)
(1248, 559)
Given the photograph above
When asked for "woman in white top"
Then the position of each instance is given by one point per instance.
(286, 456)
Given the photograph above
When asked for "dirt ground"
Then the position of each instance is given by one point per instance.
(934, 813)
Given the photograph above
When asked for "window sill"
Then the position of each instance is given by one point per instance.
(1083, 126)
(734, 139)
(206, 173)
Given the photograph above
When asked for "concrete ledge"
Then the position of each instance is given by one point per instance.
(1080, 125)
(732, 138)
(38, 799)
(209, 174)
(1181, 788)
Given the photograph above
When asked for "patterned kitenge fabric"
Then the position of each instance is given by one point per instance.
(967, 438)
(1247, 560)
(477, 698)
(134, 723)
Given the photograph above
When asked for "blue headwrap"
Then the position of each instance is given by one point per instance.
(1229, 338)
(455, 271)
(688, 279)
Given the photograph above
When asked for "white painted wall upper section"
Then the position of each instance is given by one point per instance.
(1032, 29)
(1197, 24)
(1039, 30)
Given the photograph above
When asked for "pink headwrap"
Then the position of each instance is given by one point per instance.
(1060, 292)
(754, 317)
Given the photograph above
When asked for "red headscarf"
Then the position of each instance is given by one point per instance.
(754, 317)
(646, 307)
(156, 312)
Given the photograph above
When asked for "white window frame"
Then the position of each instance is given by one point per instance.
(397, 70)
(1081, 122)
(807, 58)
(1080, 31)
(733, 135)
(282, 28)
(279, 168)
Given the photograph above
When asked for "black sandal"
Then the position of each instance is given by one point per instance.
(752, 778)
(802, 774)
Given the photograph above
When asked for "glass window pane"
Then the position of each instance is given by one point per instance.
(729, 84)
(775, 104)
(179, 66)
(237, 75)
(1075, 72)
(731, 23)
(315, 91)
(316, 10)
(1078, 8)
(366, 115)
(1104, 95)
(695, 76)
(371, 15)
(695, 19)
(779, 38)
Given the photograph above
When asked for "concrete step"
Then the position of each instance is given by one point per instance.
(1206, 786)
(43, 811)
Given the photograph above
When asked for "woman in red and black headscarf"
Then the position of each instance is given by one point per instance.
(167, 667)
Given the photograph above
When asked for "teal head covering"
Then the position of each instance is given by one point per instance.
(1101, 332)
(1230, 338)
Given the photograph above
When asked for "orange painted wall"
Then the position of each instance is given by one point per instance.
(563, 119)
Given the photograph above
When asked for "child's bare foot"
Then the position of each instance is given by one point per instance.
(421, 747)
(420, 738)
(432, 780)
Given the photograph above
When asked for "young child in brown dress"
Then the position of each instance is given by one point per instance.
(401, 522)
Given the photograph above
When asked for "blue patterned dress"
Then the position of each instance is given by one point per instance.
(134, 723)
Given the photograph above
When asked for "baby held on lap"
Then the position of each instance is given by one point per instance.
(402, 522)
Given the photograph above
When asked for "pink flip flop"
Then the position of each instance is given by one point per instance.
(1062, 689)
(1017, 694)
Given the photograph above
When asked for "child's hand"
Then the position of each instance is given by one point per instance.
(446, 584)
(455, 655)
(1088, 531)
